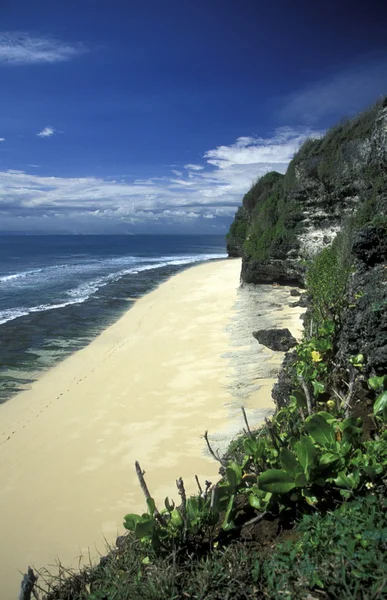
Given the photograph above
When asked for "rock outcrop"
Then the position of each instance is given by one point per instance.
(287, 219)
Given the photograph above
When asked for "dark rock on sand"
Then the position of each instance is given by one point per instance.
(276, 339)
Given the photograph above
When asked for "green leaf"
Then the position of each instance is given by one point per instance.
(348, 482)
(234, 474)
(176, 518)
(130, 521)
(276, 481)
(380, 403)
(192, 508)
(250, 446)
(151, 506)
(256, 502)
(144, 527)
(299, 398)
(320, 430)
(376, 383)
(318, 387)
(168, 505)
(300, 480)
(289, 462)
(328, 458)
(306, 454)
(327, 416)
(227, 524)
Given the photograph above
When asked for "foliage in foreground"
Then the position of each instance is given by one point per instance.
(342, 555)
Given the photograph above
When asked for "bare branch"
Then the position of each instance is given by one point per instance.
(199, 486)
(144, 487)
(245, 418)
(309, 402)
(216, 456)
(182, 494)
(351, 390)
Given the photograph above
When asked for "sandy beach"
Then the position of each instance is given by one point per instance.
(146, 389)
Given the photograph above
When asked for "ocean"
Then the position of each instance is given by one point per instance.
(58, 292)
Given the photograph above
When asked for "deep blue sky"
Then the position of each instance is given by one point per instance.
(125, 94)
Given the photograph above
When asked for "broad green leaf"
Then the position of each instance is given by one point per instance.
(176, 518)
(348, 482)
(321, 431)
(256, 502)
(328, 458)
(192, 508)
(250, 446)
(144, 527)
(318, 387)
(289, 462)
(151, 506)
(130, 521)
(327, 416)
(234, 474)
(299, 398)
(380, 404)
(376, 383)
(300, 480)
(227, 523)
(276, 481)
(306, 454)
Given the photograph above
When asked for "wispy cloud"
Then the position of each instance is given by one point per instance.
(212, 192)
(344, 93)
(19, 48)
(2, 139)
(191, 167)
(46, 132)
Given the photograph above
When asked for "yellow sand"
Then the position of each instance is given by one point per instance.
(146, 388)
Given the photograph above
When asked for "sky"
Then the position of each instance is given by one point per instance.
(157, 117)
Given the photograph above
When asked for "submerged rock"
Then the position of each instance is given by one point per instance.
(276, 339)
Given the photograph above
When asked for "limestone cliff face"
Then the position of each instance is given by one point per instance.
(287, 219)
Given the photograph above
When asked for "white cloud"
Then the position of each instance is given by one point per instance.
(19, 48)
(46, 132)
(2, 139)
(177, 173)
(193, 167)
(212, 193)
(249, 150)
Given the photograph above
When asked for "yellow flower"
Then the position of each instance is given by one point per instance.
(316, 356)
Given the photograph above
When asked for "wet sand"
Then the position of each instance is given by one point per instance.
(181, 361)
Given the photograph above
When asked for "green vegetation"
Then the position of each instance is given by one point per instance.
(273, 218)
(341, 554)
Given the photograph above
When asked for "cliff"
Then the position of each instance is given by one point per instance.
(285, 220)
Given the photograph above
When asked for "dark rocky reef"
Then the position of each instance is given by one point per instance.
(280, 340)
(285, 272)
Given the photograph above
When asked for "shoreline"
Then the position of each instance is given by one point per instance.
(145, 389)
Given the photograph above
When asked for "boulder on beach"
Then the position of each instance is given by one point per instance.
(276, 339)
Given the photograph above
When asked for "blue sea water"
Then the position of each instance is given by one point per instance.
(58, 292)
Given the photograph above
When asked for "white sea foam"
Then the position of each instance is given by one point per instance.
(84, 291)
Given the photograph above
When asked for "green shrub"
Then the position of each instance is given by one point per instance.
(343, 554)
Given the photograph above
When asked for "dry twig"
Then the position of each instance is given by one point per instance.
(144, 487)
(247, 424)
(215, 455)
